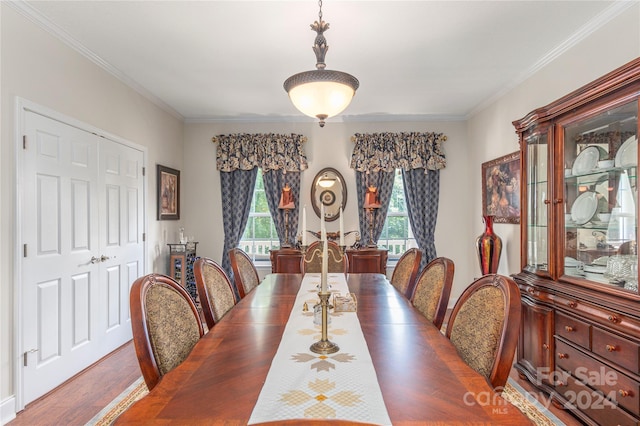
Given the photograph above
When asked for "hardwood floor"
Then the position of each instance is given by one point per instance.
(76, 401)
(79, 399)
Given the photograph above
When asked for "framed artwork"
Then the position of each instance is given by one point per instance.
(501, 188)
(168, 193)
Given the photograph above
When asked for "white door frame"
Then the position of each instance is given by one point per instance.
(21, 106)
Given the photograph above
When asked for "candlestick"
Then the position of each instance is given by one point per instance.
(323, 229)
(325, 265)
(341, 229)
(304, 225)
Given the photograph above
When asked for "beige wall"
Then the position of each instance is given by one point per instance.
(41, 69)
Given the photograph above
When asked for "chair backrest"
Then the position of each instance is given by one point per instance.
(433, 288)
(406, 271)
(214, 289)
(165, 325)
(312, 259)
(245, 273)
(484, 327)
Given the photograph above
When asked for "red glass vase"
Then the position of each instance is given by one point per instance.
(489, 248)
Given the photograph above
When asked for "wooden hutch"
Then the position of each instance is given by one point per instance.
(374, 260)
(580, 333)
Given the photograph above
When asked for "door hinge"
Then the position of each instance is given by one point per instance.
(144, 171)
(144, 236)
(24, 250)
(24, 141)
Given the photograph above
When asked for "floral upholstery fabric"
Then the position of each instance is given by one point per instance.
(248, 275)
(478, 327)
(173, 327)
(428, 290)
(402, 272)
(221, 298)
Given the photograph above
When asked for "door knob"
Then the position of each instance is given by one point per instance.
(103, 258)
(94, 259)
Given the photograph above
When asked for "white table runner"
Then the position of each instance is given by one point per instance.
(302, 384)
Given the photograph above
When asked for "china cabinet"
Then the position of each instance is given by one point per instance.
(580, 332)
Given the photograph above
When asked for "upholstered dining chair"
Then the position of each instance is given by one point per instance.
(214, 290)
(404, 275)
(245, 273)
(433, 288)
(484, 326)
(312, 259)
(165, 325)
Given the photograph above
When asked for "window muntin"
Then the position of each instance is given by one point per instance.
(397, 236)
(260, 234)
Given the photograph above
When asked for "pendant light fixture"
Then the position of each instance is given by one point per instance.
(321, 93)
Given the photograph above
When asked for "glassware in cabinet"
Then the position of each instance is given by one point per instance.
(600, 196)
(537, 184)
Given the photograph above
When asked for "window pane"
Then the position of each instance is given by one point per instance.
(260, 233)
(396, 235)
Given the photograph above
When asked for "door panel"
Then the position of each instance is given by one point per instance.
(78, 227)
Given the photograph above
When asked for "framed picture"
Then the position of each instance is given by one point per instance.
(168, 193)
(501, 188)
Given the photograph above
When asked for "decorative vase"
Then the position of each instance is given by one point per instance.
(489, 248)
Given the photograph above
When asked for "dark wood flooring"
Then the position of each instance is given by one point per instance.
(78, 400)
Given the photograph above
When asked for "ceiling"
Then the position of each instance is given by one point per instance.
(227, 60)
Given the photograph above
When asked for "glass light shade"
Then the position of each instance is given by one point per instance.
(321, 93)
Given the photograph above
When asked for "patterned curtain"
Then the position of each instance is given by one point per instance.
(244, 152)
(384, 182)
(416, 154)
(422, 191)
(274, 181)
(236, 190)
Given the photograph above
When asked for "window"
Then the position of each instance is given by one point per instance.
(396, 235)
(260, 234)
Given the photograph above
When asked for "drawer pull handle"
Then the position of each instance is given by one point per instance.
(531, 290)
(545, 346)
(562, 356)
(613, 318)
(569, 328)
(572, 304)
(610, 348)
(624, 393)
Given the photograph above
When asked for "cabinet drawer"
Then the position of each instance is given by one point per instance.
(573, 330)
(616, 349)
(593, 404)
(618, 386)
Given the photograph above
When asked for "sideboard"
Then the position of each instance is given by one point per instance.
(364, 260)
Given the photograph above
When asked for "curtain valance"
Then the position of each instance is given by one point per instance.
(269, 151)
(375, 152)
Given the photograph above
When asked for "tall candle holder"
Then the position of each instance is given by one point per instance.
(324, 345)
(371, 203)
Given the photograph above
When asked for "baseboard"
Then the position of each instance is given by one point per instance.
(7, 410)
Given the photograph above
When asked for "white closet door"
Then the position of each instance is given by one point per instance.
(76, 189)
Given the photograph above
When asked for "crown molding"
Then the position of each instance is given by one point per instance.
(617, 7)
(42, 21)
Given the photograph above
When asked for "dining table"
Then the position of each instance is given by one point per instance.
(422, 378)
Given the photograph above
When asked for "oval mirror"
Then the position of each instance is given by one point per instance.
(329, 189)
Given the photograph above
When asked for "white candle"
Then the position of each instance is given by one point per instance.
(304, 225)
(325, 265)
(323, 230)
(341, 229)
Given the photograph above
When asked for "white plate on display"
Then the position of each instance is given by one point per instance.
(584, 208)
(588, 159)
(627, 155)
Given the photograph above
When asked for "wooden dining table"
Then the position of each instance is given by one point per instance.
(421, 376)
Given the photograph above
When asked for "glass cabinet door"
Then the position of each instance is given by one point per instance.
(537, 155)
(600, 197)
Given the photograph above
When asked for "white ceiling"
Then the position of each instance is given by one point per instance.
(227, 60)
